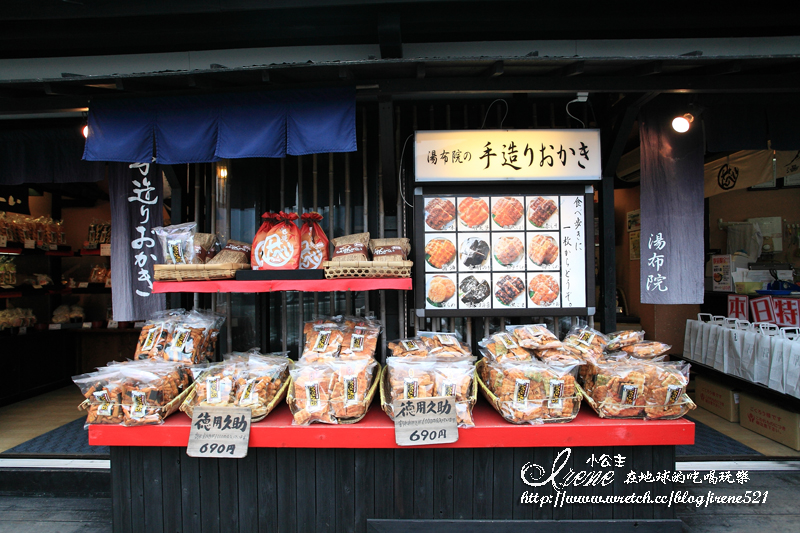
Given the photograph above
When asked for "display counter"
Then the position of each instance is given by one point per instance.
(355, 478)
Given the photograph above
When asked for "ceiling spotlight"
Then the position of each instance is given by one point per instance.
(86, 132)
(681, 123)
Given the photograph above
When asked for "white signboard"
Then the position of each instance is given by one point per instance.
(531, 155)
(219, 432)
(423, 421)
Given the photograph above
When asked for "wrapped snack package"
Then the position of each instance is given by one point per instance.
(666, 390)
(258, 382)
(534, 336)
(210, 349)
(149, 386)
(351, 383)
(444, 344)
(619, 389)
(351, 247)
(410, 347)
(534, 392)
(588, 341)
(390, 249)
(647, 349)
(104, 390)
(206, 247)
(504, 346)
(232, 252)
(177, 243)
(618, 339)
(565, 355)
(279, 249)
(312, 384)
(323, 342)
(187, 340)
(360, 341)
(409, 378)
(313, 242)
(154, 334)
(214, 385)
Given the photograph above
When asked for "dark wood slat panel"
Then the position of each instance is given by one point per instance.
(209, 495)
(190, 493)
(623, 511)
(483, 480)
(515, 526)
(643, 463)
(423, 483)
(366, 487)
(228, 495)
(137, 489)
(519, 510)
(306, 490)
(544, 458)
(503, 489)
(663, 459)
(345, 491)
(248, 491)
(267, 489)
(327, 486)
(578, 462)
(154, 492)
(463, 483)
(403, 484)
(287, 493)
(121, 489)
(443, 483)
(606, 511)
(171, 483)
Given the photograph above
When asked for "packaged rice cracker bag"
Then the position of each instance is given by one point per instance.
(313, 242)
(279, 248)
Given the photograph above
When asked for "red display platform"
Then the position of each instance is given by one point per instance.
(376, 430)
(316, 285)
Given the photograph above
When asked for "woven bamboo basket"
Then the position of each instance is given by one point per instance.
(197, 272)
(367, 269)
(365, 403)
(498, 404)
(187, 408)
(685, 403)
(163, 411)
(386, 396)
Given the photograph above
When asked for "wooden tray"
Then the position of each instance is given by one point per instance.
(197, 272)
(367, 269)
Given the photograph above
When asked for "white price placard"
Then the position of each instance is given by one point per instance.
(3, 241)
(23, 330)
(87, 325)
(53, 327)
(113, 324)
(53, 247)
(83, 285)
(219, 432)
(29, 244)
(422, 421)
(105, 250)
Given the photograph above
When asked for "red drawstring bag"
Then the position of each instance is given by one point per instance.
(261, 234)
(279, 249)
(313, 242)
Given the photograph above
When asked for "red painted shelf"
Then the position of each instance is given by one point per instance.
(316, 285)
(376, 430)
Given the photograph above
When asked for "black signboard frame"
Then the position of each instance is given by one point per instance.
(420, 286)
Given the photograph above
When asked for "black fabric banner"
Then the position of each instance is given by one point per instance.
(672, 208)
(14, 199)
(136, 207)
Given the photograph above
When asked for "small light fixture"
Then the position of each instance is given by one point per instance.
(682, 123)
(85, 131)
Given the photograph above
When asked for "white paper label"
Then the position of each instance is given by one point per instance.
(556, 399)
(113, 324)
(86, 325)
(54, 326)
(105, 250)
(53, 247)
(507, 340)
(213, 394)
(410, 388)
(248, 396)
(313, 401)
(447, 340)
(29, 244)
(350, 390)
(521, 393)
(83, 285)
(321, 344)
(139, 404)
(356, 343)
(629, 394)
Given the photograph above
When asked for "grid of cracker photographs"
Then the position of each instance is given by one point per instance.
(492, 252)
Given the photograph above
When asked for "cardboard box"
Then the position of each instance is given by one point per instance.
(717, 398)
(770, 420)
